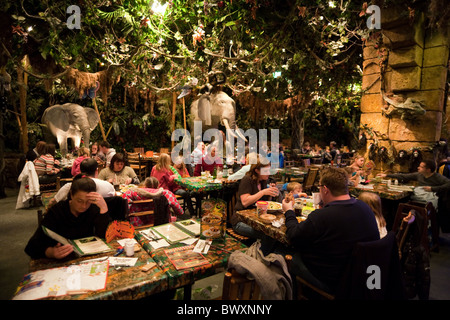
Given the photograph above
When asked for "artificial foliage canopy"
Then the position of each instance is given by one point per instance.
(275, 50)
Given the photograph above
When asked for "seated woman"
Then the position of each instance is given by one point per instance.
(45, 165)
(356, 171)
(163, 173)
(118, 173)
(180, 167)
(83, 153)
(83, 214)
(252, 188)
(37, 151)
(209, 162)
(147, 190)
(96, 153)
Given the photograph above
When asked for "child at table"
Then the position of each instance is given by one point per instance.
(293, 188)
(374, 202)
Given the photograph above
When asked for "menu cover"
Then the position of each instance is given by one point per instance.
(184, 257)
(82, 247)
(214, 216)
(75, 279)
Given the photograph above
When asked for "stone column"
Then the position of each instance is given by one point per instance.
(405, 64)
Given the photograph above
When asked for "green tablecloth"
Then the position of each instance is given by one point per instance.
(197, 184)
(217, 256)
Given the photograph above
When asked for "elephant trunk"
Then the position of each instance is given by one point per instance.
(86, 134)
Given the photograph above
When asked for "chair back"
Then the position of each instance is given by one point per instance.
(136, 162)
(152, 212)
(310, 178)
(117, 208)
(289, 163)
(419, 228)
(373, 272)
(239, 287)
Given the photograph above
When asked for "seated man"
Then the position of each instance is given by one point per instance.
(428, 179)
(89, 168)
(324, 241)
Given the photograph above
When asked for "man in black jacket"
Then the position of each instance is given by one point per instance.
(325, 240)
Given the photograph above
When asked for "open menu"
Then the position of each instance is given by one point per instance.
(178, 231)
(185, 257)
(74, 279)
(82, 247)
(190, 225)
(171, 232)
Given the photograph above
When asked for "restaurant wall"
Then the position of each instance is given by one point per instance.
(404, 86)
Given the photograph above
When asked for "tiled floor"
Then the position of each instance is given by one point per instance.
(17, 226)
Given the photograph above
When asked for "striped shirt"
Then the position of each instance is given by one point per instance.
(45, 164)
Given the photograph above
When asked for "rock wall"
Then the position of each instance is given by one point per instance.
(404, 78)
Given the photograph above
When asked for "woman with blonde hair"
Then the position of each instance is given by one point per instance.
(374, 202)
(163, 172)
(180, 167)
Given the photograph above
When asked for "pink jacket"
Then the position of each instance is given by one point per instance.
(76, 165)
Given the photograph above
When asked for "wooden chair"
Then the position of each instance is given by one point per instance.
(136, 162)
(432, 217)
(46, 188)
(302, 290)
(401, 229)
(237, 236)
(289, 163)
(310, 179)
(238, 287)
(157, 207)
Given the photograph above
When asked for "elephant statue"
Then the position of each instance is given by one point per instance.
(70, 120)
(213, 108)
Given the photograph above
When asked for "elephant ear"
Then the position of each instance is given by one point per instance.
(56, 116)
(204, 109)
(93, 118)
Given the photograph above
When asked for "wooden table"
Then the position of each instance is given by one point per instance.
(125, 284)
(217, 256)
(249, 217)
(384, 193)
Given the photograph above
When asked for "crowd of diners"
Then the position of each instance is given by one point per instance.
(321, 244)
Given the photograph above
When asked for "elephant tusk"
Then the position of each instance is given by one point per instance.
(227, 125)
(240, 134)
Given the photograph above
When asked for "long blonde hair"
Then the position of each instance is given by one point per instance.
(163, 162)
(374, 202)
(83, 151)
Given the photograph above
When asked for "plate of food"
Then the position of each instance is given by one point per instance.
(267, 217)
(273, 206)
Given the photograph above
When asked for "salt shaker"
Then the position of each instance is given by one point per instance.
(129, 248)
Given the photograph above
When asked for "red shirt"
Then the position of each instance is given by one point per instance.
(204, 166)
(165, 178)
